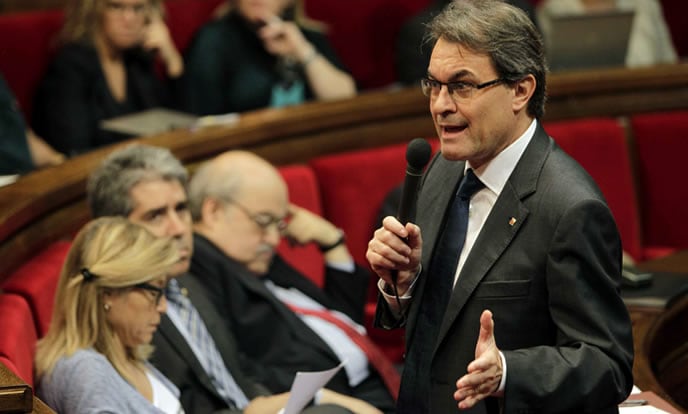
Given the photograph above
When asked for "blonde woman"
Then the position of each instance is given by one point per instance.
(105, 67)
(108, 305)
(262, 54)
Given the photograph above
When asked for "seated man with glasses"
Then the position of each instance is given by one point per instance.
(283, 322)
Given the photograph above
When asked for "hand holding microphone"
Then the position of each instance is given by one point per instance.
(396, 246)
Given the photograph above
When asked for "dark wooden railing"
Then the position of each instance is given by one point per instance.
(47, 205)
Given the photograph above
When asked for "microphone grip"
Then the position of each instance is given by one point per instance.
(409, 192)
(407, 204)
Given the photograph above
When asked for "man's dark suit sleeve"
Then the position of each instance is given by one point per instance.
(589, 360)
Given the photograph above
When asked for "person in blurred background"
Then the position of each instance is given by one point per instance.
(262, 54)
(106, 67)
(650, 42)
(108, 305)
(21, 150)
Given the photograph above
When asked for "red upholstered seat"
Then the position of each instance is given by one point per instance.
(662, 147)
(26, 48)
(184, 17)
(36, 281)
(353, 186)
(600, 146)
(363, 32)
(304, 192)
(18, 338)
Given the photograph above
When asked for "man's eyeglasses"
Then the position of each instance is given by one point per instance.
(158, 292)
(264, 220)
(457, 90)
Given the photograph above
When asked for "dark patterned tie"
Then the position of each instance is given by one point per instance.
(415, 384)
(210, 357)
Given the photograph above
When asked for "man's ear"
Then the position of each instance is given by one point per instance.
(523, 91)
(211, 210)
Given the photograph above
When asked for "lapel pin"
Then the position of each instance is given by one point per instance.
(512, 221)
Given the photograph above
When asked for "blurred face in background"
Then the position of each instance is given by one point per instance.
(261, 11)
(124, 22)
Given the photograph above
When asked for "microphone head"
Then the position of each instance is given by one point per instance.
(418, 154)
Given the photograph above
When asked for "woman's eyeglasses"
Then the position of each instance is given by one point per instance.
(158, 292)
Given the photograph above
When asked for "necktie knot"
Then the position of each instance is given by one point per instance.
(469, 185)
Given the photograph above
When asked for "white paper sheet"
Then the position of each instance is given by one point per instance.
(304, 387)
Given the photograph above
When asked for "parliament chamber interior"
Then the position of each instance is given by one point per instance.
(628, 127)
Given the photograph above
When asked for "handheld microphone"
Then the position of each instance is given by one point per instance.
(418, 154)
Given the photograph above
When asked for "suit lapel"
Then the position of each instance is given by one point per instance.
(503, 223)
(174, 337)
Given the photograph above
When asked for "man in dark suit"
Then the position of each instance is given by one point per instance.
(148, 186)
(241, 211)
(532, 321)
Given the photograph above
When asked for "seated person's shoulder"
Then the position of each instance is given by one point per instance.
(75, 57)
(84, 362)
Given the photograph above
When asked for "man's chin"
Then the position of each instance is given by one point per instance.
(181, 267)
(259, 268)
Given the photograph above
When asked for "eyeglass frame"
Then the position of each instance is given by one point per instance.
(427, 86)
(159, 291)
(280, 223)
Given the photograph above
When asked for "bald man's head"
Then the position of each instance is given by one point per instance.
(238, 201)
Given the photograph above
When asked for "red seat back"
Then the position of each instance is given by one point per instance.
(27, 45)
(662, 146)
(304, 192)
(18, 338)
(36, 281)
(601, 147)
(354, 185)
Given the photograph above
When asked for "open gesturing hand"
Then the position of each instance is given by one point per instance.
(485, 372)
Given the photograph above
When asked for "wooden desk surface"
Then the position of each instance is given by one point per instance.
(645, 318)
(7, 377)
(674, 263)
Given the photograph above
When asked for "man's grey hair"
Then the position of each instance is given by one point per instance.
(109, 186)
(503, 32)
(209, 181)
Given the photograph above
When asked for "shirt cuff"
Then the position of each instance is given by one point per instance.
(388, 295)
(502, 382)
(346, 267)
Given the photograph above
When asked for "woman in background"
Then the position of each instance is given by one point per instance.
(107, 307)
(105, 68)
(262, 54)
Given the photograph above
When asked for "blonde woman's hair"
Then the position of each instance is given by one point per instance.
(83, 19)
(108, 254)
